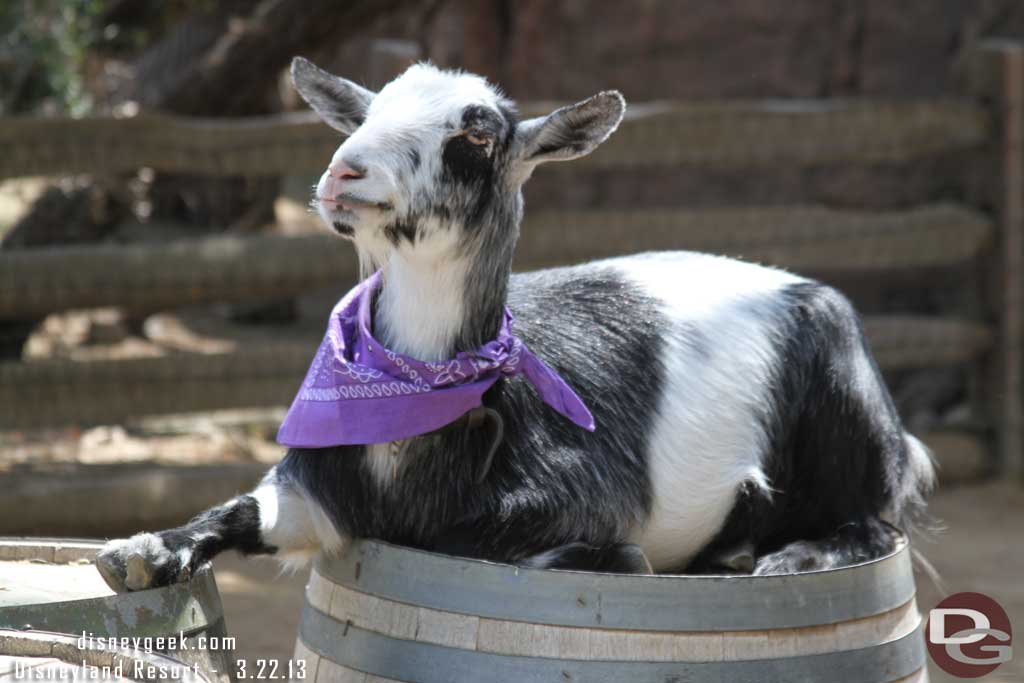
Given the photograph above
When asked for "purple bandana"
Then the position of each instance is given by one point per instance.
(358, 392)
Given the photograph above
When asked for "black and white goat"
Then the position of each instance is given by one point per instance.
(741, 420)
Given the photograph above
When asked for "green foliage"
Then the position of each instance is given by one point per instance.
(44, 45)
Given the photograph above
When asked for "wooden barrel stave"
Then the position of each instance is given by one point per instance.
(348, 634)
(629, 602)
(399, 620)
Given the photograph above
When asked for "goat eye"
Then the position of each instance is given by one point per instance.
(478, 139)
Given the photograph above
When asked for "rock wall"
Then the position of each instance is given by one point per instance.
(653, 49)
(665, 49)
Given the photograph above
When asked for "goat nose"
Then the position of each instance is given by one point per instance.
(346, 170)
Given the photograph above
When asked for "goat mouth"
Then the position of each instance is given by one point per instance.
(350, 201)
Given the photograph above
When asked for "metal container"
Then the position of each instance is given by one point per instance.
(52, 585)
(379, 612)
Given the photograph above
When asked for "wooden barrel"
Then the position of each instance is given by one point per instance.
(51, 585)
(379, 612)
(60, 657)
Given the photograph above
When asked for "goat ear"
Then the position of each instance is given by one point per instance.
(340, 103)
(571, 132)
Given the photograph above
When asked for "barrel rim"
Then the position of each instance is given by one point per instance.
(664, 602)
(902, 547)
(193, 605)
(63, 550)
(423, 662)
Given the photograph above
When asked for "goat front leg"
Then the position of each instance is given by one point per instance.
(275, 519)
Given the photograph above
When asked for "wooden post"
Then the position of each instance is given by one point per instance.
(997, 74)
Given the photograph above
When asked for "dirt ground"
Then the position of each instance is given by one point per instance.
(980, 550)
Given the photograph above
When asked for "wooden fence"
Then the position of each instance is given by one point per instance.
(933, 238)
(143, 278)
(730, 134)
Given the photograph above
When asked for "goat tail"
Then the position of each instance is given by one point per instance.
(912, 487)
(915, 483)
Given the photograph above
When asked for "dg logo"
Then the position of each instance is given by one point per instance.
(969, 635)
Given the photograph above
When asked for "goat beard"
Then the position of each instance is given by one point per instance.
(368, 265)
(370, 259)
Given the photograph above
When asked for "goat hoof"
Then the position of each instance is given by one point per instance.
(139, 574)
(137, 563)
(112, 571)
(634, 560)
(794, 558)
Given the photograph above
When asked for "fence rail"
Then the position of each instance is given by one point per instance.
(53, 392)
(151, 277)
(805, 238)
(713, 133)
